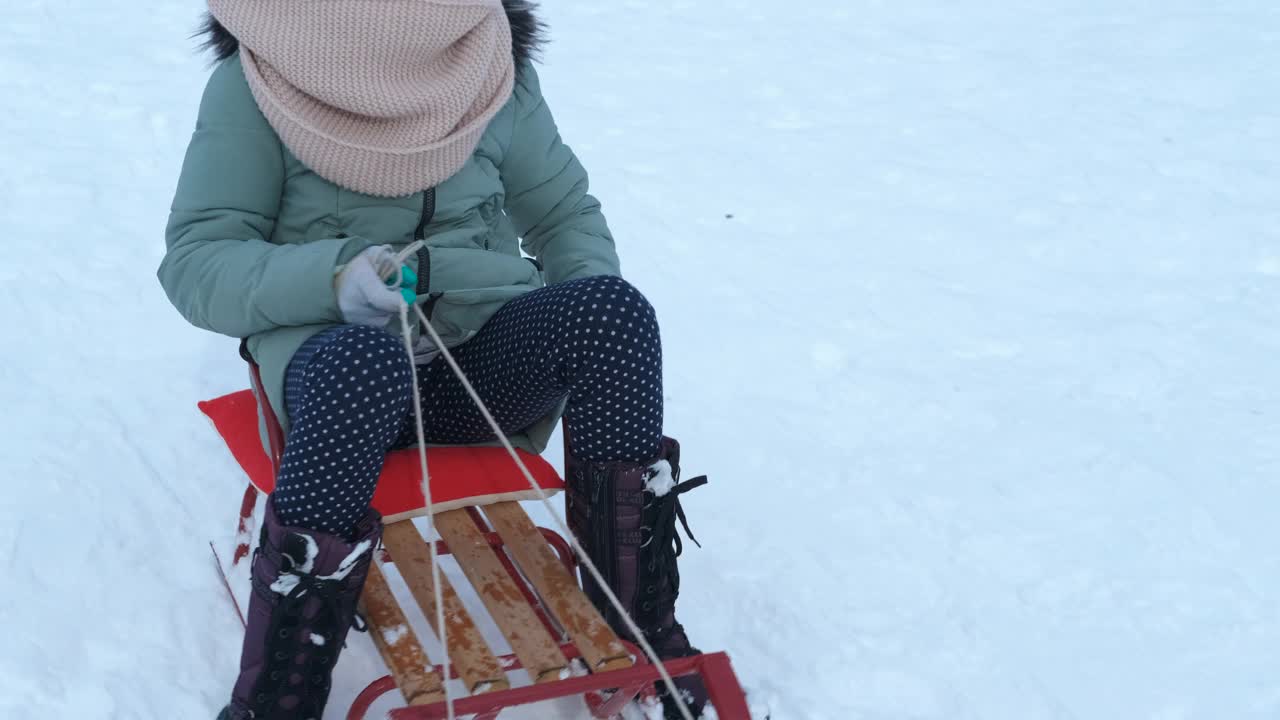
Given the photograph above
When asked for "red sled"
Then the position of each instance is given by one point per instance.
(526, 577)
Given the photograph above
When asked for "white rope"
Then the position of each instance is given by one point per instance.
(407, 334)
(542, 495)
(431, 517)
(595, 573)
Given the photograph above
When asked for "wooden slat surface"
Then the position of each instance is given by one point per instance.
(537, 651)
(397, 643)
(475, 662)
(597, 642)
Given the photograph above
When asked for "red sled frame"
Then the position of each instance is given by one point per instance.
(605, 693)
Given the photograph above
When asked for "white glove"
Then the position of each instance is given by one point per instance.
(364, 298)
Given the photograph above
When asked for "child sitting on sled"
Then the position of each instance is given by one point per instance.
(330, 137)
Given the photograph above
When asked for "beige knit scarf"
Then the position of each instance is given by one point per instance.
(384, 97)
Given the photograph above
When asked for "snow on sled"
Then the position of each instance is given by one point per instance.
(526, 577)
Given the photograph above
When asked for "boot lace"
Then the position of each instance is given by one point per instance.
(284, 643)
(663, 545)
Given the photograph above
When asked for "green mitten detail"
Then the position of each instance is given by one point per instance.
(408, 283)
(408, 278)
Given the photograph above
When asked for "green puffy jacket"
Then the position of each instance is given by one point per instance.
(254, 237)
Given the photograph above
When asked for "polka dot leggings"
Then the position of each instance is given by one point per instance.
(593, 341)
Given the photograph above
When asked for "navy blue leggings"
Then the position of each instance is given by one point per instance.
(593, 340)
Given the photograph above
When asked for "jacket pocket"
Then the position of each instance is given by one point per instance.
(457, 315)
(455, 269)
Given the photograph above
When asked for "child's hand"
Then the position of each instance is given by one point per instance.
(364, 298)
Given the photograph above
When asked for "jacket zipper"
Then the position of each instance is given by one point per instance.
(424, 255)
(428, 212)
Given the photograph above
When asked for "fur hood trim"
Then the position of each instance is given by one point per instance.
(528, 33)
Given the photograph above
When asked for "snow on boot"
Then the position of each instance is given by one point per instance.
(305, 588)
(624, 514)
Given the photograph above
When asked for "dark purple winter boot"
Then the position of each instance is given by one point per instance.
(305, 588)
(624, 514)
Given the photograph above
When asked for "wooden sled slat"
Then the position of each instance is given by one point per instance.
(397, 643)
(532, 644)
(597, 642)
(468, 651)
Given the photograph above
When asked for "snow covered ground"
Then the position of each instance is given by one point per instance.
(971, 312)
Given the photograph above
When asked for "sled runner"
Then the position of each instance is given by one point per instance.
(525, 576)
